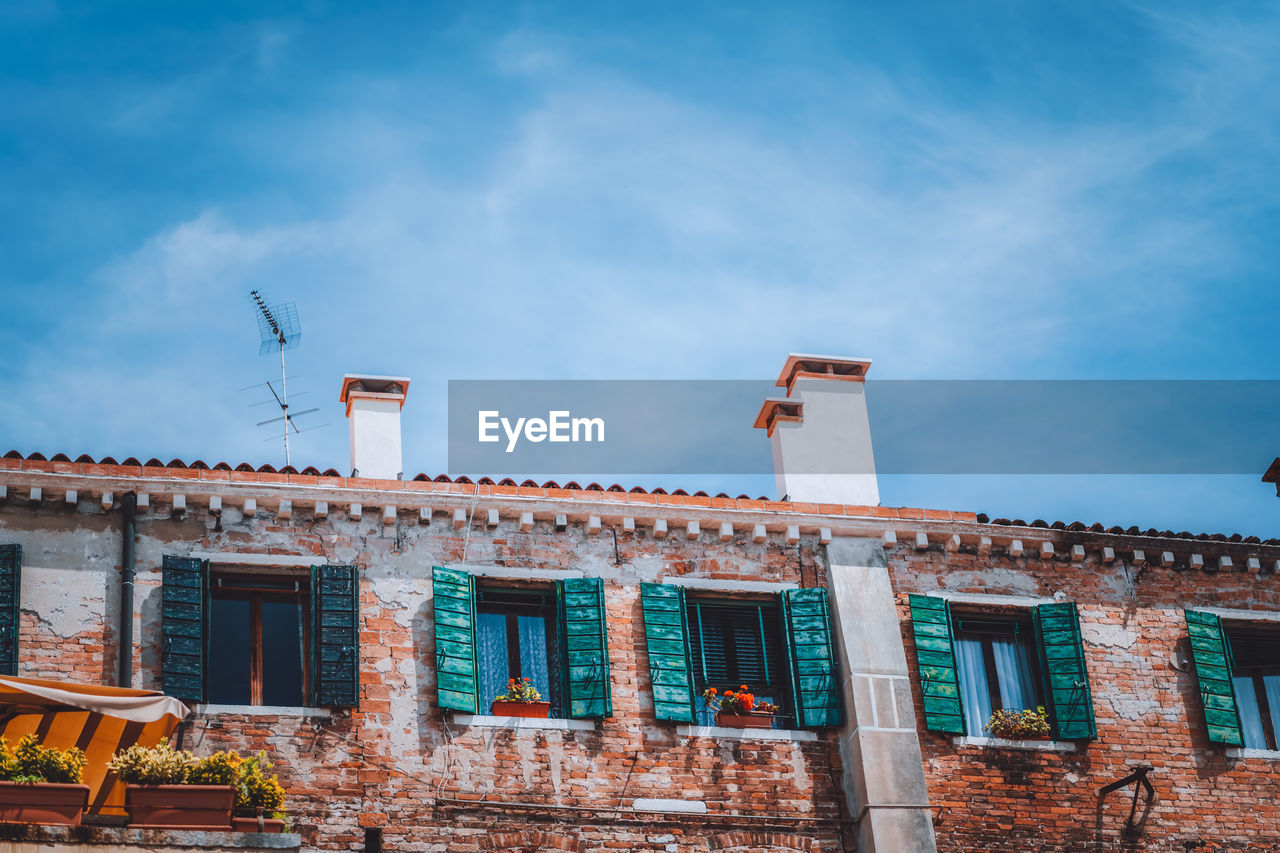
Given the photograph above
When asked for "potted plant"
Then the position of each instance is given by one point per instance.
(259, 799)
(41, 784)
(1027, 724)
(739, 709)
(167, 788)
(522, 699)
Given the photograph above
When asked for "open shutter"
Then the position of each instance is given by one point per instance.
(183, 626)
(10, 607)
(454, 596)
(335, 599)
(936, 662)
(667, 637)
(1067, 678)
(586, 647)
(1213, 670)
(812, 655)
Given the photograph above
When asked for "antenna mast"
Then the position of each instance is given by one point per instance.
(281, 330)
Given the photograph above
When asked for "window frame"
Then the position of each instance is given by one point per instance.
(1023, 623)
(784, 693)
(557, 676)
(255, 587)
(1240, 630)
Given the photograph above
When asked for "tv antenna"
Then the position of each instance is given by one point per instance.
(280, 330)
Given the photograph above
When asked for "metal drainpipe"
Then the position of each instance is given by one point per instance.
(128, 526)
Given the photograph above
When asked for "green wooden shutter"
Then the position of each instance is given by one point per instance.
(667, 637)
(183, 626)
(1066, 676)
(586, 643)
(454, 596)
(1213, 669)
(936, 661)
(811, 652)
(335, 649)
(10, 607)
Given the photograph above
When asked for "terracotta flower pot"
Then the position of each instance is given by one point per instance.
(503, 708)
(749, 720)
(42, 802)
(250, 824)
(179, 806)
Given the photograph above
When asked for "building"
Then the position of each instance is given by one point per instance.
(356, 628)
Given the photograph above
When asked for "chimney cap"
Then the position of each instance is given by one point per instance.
(1273, 473)
(366, 383)
(821, 367)
(778, 409)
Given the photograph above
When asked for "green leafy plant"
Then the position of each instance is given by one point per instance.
(740, 701)
(520, 691)
(31, 762)
(256, 792)
(155, 765)
(1015, 725)
(221, 768)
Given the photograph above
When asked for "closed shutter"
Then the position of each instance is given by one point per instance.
(586, 643)
(936, 662)
(1213, 670)
(1065, 673)
(453, 594)
(183, 626)
(812, 654)
(667, 637)
(10, 607)
(335, 601)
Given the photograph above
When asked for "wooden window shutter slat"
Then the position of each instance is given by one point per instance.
(10, 607)
(454, 604)
(1065, 672)
(184, 626)
(811, 652)
(936, 664)
(1213, 671)
(667, 637)
(586, 645)
(335, 649)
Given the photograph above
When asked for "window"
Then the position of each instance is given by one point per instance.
(735, 643)
(996, 660)
(259, 641)
(249, 638)
(1255, 675)
(516, 635)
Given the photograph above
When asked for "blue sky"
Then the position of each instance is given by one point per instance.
(998, 190)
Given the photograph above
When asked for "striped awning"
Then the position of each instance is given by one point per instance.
(99, 720)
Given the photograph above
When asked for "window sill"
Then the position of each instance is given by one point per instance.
(524, 722)
(263, 710)
(723, 733)
(1001, 743)
(1247, 752)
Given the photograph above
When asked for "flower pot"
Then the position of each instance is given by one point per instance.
(42, 802)
(251, 824)
(503, 708)
(749, 720)
(180, 806)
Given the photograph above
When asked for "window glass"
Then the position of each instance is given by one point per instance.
(737, 643)
(1256, 676)
(516, 638)
(997, 668)
(258, 641)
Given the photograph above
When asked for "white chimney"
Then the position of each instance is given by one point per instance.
(820, 432)
(373, 411)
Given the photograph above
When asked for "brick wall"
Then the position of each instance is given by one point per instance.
(1148, 712)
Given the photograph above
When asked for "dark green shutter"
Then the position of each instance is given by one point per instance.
(811, 651)
(1066, 676)
(454, 597)
(183, 626)
(667, 637)
(10, 607)
(335, 600)
(1213, 669)
(936, 661)
(586, 643)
